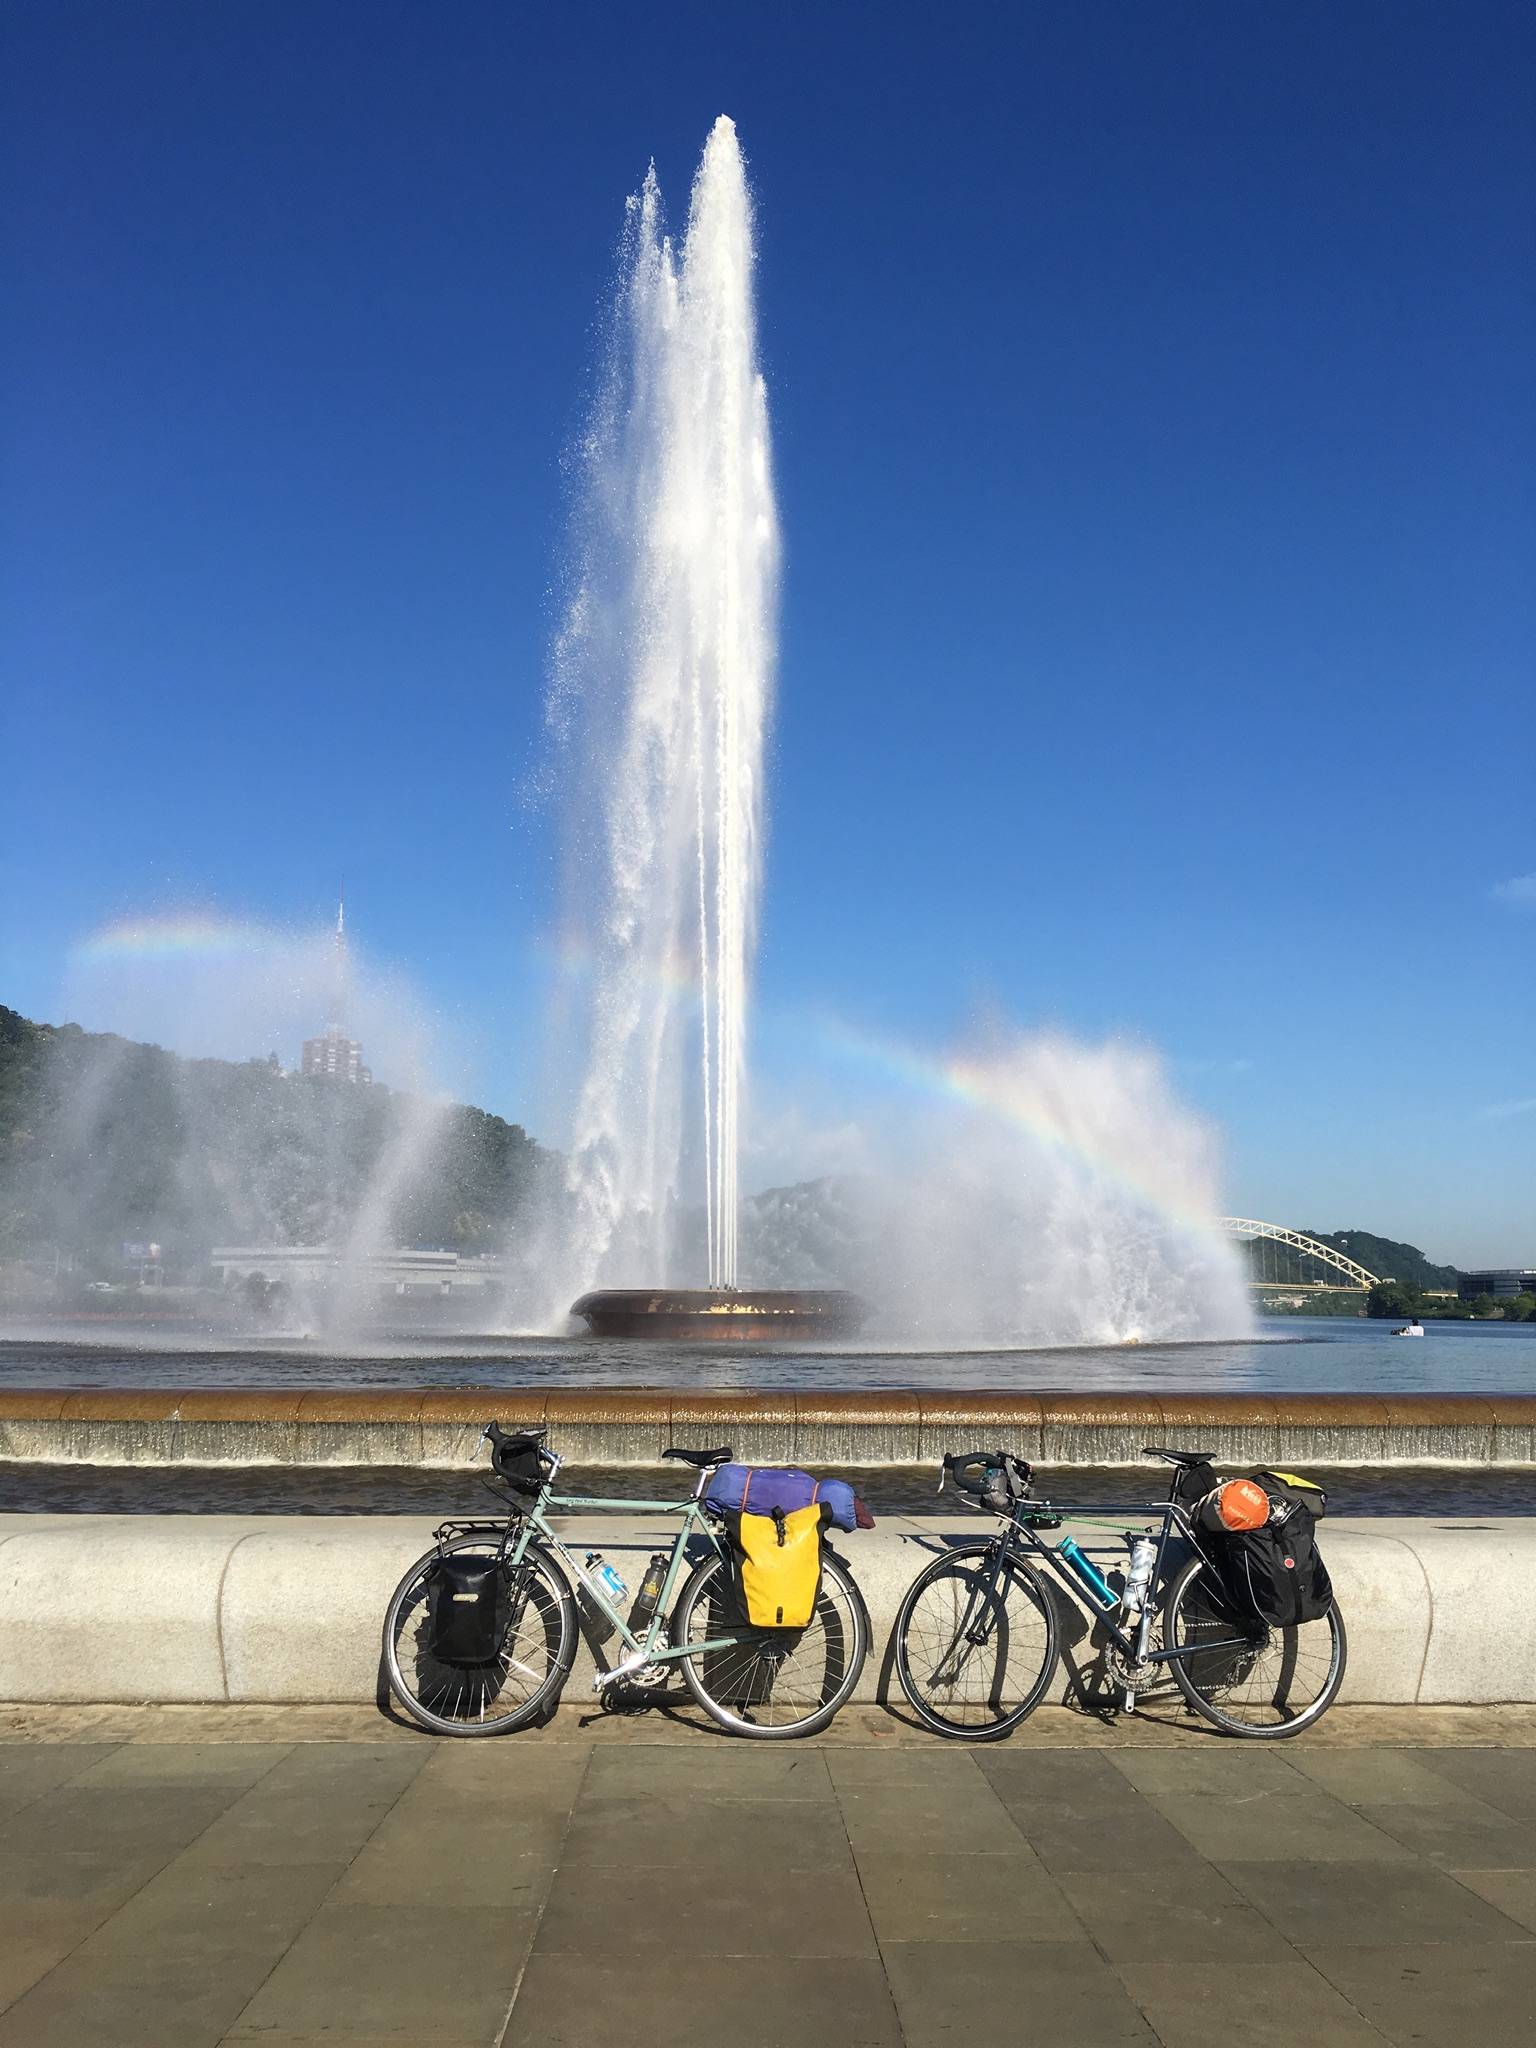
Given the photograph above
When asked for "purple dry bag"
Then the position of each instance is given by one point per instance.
(759, 1489)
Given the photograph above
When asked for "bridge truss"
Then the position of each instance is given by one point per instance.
(1298, 1248)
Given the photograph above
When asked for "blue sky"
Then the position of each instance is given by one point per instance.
(1154, 430)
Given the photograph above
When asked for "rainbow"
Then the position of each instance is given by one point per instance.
(989, 1086)
(973, 1083)
(194, 935)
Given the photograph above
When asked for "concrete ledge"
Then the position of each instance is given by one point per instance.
(173, 1608)
(438, 1427)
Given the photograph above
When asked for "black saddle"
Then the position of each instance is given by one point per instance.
(1177, 1457)
(700, 1459)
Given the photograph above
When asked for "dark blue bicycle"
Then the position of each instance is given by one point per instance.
(978, 1635)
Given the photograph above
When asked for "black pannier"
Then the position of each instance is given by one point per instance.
(469, 1604)
(1289, 1486)
(1276, 1573)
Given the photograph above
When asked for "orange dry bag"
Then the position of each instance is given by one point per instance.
(1236, 1504)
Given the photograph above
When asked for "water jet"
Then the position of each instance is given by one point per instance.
(1067, 1198)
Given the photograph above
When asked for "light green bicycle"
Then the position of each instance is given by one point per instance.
(769, 1683)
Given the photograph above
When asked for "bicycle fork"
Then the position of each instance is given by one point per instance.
(975, 1628)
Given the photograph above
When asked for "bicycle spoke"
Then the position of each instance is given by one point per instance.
(1279, 1681)
(975, 1644)
(772, 1679)
(496, 1693)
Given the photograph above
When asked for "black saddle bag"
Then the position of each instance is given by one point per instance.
(469, 1604)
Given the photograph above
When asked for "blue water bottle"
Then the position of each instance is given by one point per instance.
(1088, 1575)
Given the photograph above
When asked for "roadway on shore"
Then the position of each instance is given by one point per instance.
(188, 1877)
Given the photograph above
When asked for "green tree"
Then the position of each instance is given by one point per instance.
(103, 1141)
(1392, 1298)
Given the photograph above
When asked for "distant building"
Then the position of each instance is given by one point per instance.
(333, 1054)
(1502, 1282)
(408, 1272)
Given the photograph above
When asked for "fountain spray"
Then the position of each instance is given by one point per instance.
(663, 685)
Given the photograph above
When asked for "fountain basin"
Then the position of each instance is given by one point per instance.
(722, 1314)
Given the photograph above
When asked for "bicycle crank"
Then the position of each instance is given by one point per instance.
(1131, 1674)
(637, 1670)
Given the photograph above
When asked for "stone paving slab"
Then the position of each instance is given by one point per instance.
(157, 1893)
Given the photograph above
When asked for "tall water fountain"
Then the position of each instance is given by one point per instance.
(663, 690)
(1065, 1196)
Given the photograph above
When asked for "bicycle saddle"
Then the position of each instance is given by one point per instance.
(523, 1432)
(699, 1459)
(1177, 1457)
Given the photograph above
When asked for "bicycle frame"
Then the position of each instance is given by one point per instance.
(531, 1525)
(1020, 1536)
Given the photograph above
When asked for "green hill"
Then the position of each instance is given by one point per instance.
(1388, 1259)
(104, 1141)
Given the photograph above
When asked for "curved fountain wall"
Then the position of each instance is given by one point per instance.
(440, 1428)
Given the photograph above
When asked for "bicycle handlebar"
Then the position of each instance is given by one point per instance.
(508, 1446)
(996, 1478)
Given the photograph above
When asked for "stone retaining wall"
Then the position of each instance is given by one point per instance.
(439, 1427)
(158, 1608)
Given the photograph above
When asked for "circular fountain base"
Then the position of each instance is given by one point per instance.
(722, 1314)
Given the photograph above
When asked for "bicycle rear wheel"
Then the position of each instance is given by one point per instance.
(521, 1680)
(976, 1643)
(1285, 1680)
(771, 1683)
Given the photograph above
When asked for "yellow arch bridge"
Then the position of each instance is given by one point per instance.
(1289, 1258)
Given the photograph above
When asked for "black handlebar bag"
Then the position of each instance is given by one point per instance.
(520, 1462)
(469, 1606)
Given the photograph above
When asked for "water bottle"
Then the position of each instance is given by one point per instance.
(649, 1596)
(1139, 1576)
(1087, 1574)
(606, 1576)
(607, 1580)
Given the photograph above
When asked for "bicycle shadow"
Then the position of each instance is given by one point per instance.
(1083, 1641)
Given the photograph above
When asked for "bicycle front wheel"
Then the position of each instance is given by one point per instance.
(1283, 1680)
(529, 1667)
(976, 1643)
(771, 1683)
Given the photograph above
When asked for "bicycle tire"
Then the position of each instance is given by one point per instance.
(760, 1657)
(1202, 1687)
(968, 1590)
(559, 1606)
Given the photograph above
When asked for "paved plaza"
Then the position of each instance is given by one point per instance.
(180, 1879)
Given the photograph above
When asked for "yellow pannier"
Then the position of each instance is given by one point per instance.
(780, 1565)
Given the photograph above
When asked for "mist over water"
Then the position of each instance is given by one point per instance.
(1069, 1200)
(660, 702)
(117, 1141)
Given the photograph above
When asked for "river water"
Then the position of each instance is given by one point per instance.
(1290, 1355)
